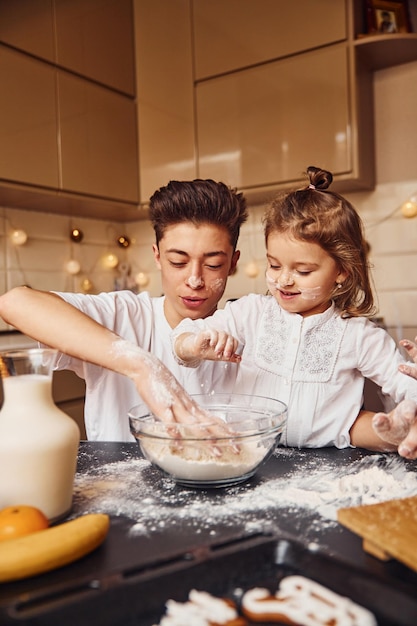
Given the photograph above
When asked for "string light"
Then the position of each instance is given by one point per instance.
(123, 241)
(73, 267)
(18, 237)
(76, 235)
(86, 285)
(409, 208)
(110, 260)
(142, 279)
(252, 269)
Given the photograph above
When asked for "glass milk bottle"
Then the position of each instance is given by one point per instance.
(38, 441)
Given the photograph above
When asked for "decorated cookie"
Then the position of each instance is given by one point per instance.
(202, 609)
(300, 600)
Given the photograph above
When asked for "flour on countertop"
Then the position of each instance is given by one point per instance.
(135, 489)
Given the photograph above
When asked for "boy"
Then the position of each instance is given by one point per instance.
(113, 338)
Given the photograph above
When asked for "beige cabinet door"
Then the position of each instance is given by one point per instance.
(234, 34)
(267, 124)
(28, 26)
(98, 140)
(164, 74)
(28, 120)
(95, 40)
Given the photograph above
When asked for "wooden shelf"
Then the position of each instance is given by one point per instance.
(378, 52)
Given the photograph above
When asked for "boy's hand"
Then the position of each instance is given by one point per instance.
(411, 348)
(399, 427)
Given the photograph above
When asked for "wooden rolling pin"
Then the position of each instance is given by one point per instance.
(388, 529)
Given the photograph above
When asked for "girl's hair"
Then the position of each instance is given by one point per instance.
(324, 217)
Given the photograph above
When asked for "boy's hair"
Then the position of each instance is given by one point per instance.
(326, 218)
(199, 202)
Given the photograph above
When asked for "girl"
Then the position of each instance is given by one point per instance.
(310, 342)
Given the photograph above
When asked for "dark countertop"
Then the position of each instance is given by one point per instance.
(165, 539)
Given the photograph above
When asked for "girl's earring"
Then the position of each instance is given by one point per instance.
(339, 285)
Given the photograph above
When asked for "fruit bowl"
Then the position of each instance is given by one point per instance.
(241, 433)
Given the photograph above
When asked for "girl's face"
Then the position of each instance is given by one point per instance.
(300, 275)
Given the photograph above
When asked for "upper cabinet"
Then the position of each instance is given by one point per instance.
(104, 101)
(28, 25)
(68, 120)
(92, 38)
(97, 140)
(95, 40)
(237, 34)
(28, 120)
(267, 124)
(165, 88)
(281, 86)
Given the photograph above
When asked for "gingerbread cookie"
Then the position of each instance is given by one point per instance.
(202, 609)
(300, 600)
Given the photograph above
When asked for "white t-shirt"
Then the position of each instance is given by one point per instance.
(315, 364)
(141, 320)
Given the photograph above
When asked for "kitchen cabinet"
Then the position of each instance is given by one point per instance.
(165, 88)
(28, 120)
(68, 122)
(91, 38)
(286, 89)
(97, 140)
(238, 34)
(267, 124)
(28, 26)
(95, 40)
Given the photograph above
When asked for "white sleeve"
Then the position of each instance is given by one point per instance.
(230, 320)
(379, 359)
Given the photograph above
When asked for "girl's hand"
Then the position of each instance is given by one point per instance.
(399, 427)
(209, 345)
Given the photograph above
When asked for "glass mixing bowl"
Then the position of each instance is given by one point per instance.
(197, 455)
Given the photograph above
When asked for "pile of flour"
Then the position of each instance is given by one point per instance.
(137, 490)
(200, 462)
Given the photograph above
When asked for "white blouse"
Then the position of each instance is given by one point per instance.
(315, 364)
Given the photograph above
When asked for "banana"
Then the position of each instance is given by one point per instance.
(52, 547)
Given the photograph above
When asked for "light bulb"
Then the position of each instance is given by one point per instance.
(252, 269)
(18, 237)
(142, 279)
(86, 285)
(110, 260)
(76, 235)
(73, 267)
(409, 208)
(123, 241)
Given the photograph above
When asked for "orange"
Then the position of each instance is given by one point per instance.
(19, 520)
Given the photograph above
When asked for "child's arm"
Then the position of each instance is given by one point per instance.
(49, 319)
(363, 435)
(209, 345)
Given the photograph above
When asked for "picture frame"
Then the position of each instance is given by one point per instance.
(386, 17)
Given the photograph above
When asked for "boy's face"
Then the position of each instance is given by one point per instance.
(195, 262)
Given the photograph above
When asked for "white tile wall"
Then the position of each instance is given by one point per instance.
(41, 261)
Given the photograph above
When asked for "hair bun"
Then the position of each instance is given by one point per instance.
(319, 179)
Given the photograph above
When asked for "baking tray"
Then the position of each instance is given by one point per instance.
(137, 596)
